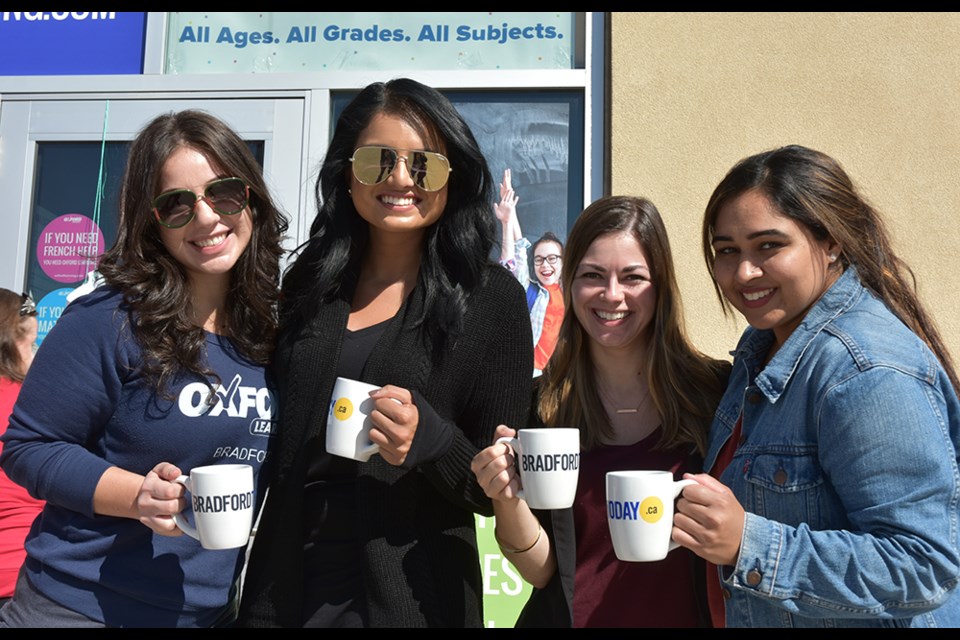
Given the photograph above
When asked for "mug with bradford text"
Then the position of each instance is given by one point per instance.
(640, 513)
(221, 496)
(548, 459)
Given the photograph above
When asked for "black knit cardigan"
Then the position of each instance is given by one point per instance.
(416, 523)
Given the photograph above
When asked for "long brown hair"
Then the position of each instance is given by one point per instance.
(155, 284)
(685, 385)
(13, 327)
(812, 188)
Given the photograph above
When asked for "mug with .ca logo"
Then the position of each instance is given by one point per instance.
(548, 459)
(348, 421)
(640, 513)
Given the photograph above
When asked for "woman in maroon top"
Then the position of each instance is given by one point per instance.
(626, 375)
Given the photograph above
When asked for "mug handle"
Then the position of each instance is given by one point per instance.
(368, 452)
(514, 443)
(678, 487)
(180, 521)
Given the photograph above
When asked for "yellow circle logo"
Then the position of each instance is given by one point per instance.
(651, 509)
(343, 409)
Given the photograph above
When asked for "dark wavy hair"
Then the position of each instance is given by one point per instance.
(812, 188)
(685, 385)
(13, 327)
(456, 248)
(155, 285)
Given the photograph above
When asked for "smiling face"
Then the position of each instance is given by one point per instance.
(770, 268)
(396, 205)
(613, 296)
(208, 246)
(547, 274)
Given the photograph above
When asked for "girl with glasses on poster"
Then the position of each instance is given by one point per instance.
(625, 374)
(833, 483)
(18, 509)
(160, 370)
(544, 293)
(395, 288)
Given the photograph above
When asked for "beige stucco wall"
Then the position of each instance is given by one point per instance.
(692, 93)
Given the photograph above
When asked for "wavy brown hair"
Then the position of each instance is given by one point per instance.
(812, 189)
(155, 285)
(13, 328)
(685, 385)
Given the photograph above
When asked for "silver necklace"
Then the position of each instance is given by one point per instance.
(627, 409)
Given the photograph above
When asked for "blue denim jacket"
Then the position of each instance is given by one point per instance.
(847, 469)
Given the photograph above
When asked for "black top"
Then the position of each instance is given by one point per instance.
(333, 590)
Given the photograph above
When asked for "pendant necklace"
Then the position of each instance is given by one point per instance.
(627, 409)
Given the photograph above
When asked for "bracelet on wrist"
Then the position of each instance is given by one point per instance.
(507, 549)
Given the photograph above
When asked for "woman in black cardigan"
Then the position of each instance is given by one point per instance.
(395, 288)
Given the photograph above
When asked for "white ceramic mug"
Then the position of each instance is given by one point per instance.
(640, 513)
(348, 421)
(548, 460)
(221, 497)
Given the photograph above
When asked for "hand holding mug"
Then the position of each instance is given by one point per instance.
(496, 469)
(709, 520)
(365, 419)
(394, 421)
(159, 498)
(548, 459)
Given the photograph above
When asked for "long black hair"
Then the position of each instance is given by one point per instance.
(456, 248)
(155, 284)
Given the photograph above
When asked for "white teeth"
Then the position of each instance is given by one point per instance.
(756, 295)
(211, 242)
(617, 315)
(405, 201)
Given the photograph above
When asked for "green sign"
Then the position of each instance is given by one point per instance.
(504, 591)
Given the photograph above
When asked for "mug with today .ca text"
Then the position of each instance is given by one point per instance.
(548, 459)
(640, 513)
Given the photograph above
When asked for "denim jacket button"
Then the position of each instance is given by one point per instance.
(780, 477)
(725, 593)
(754, 577)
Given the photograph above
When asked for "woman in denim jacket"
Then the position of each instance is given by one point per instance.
(831, 493)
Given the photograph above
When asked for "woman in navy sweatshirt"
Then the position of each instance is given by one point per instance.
(160, 370)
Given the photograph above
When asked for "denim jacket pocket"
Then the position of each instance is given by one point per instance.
(792, 481)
